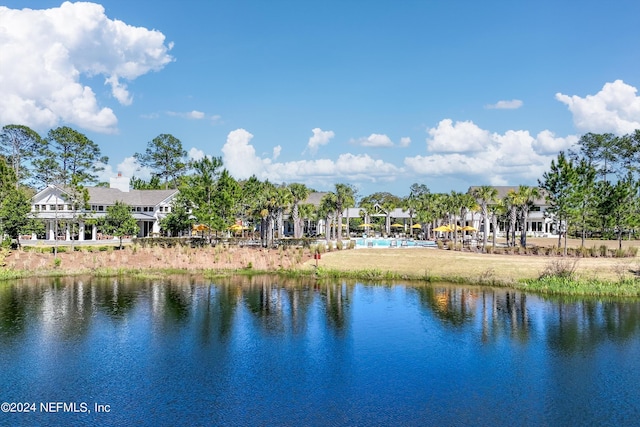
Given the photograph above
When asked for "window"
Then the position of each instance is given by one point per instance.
(100, 208)
(52, 207)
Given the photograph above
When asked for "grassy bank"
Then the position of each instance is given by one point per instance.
(545, 274)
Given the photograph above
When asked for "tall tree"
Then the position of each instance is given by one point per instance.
(623, 205)
(412, 202)
(512, 203)
(604, 151)
(20, 144)
(485, 195)
(526, 198)
(199, 189)
(14, 204)
(68, 155)
(299, 193)
(559, 184)
(165, 157)
(345, 198)
(327, 209)
(585, 195)
(119, 221)
(226, 202)
(140, 184)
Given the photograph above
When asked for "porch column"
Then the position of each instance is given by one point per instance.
(94, 232)
(50, 230)
(67, 232)
(81, 231)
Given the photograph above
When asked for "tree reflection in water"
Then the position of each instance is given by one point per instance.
(67, 306)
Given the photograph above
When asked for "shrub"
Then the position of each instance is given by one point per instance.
(440, 244)
(339, 245)
(562, 268)
(604, 251)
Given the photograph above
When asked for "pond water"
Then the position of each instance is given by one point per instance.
(262, 351)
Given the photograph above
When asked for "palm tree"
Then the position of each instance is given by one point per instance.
(497, 209)
(526, 196)
(299, 193)
(485, 195)
(327, 209)
(512, 202)
(306, 212)
(413, 201)
(344, 198)
(283, 199)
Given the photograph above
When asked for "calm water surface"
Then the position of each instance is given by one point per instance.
(263, 352)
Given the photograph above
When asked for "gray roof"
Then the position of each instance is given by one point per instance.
(109, 196)
(314, 198)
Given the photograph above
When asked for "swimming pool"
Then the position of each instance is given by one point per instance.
(393, 243)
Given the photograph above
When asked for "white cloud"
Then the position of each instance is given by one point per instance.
(129, 167)
(514, 104)
(320, 137)
(192, 115)
(195, 154)
(547, 143)
(50, 50)
(511, 158)
(374, 140)
(459, 138)
(405, 141)
(276, 152)
(239, 157)
(615, 109)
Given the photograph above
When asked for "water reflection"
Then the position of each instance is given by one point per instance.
(321, 353)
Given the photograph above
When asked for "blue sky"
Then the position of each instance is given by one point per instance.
(380, 94)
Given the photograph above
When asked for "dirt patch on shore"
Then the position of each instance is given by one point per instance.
(185, 258)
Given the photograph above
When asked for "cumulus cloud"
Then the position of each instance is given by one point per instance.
(50, 50)
(320, 137)
(129, 167)
(514, 104)
(374, 140)
(615, 109)
(459, 138)
(510, 158)
(193, 115)
(195, 154)
(276, 152)
(239, 157)
(405, 141)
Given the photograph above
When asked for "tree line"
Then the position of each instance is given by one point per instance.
(591, 190)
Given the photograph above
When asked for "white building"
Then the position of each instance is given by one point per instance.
(54, 206)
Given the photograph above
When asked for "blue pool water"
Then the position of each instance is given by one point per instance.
(389, 243)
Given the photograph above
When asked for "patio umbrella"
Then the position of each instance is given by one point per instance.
(200, 227)
(416, 226)
(396, 225)
(235, 227)
(365, 225)
(445, 228)
(468, 228)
